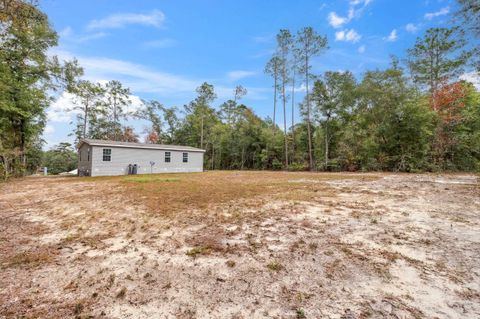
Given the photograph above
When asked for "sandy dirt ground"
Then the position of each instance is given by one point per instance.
(241, 245)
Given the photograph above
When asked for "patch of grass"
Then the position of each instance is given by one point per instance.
(33, 258)
(275, 266)
(149, 179)
(300, 313)
(77, 310)
(230, 263)
(194, 252)
(199, 191)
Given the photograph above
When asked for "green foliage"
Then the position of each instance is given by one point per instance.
(28, 75)
(435, 58)
(382, 122)
(59, 159)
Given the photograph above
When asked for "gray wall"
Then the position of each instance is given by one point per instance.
(122, 156)
(84, 165)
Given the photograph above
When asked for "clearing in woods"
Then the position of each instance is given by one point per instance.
(241, 245)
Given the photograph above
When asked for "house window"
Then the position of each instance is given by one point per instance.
(107, 154)
(185, 157)
(167, 157)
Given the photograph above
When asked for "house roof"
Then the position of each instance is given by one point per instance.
(93, 142)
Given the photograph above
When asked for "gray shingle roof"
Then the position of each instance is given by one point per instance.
(139, 145)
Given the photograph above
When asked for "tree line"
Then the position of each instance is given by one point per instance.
(415, 115)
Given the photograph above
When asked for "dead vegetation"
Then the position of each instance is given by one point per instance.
(241, 245)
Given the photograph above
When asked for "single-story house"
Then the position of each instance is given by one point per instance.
(104, 158)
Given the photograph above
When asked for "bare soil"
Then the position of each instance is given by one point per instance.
(241, 245)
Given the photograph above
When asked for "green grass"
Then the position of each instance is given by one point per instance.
(149, 179)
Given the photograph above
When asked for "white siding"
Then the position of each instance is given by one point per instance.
(121, 157)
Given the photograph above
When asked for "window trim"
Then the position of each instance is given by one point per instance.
(109, 155)
(168, 155)
(185, 157)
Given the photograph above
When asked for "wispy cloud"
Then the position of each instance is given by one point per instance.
(239, 74)
(336, 21)
(472, 77)
(154, 19)
(62, 110)
(393, 36)
(142, 79)
(355, 10)
(362, 49)
(93, 36)
(412, 28)
(357, 2)
(160, 43)
(69, 35)
(347, 36)
(441, 12)
(66, 32)
(49, 129)
(263, 39)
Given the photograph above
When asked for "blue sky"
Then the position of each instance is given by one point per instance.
(163, 50)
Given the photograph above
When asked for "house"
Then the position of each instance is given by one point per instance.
(104, 158)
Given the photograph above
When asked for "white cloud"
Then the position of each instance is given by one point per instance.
(392, 37)
(263, 39)
(160, 43)
(336, 21)
(239, 74)
(472, 77)
(49, 129)
(66, 32)
(138, 77)
(348, 36)
(142, 79)
(412, 28)
(93, 36)
(441, 12)
(155, 19)
(357, 2)
(69, 35)
(63, 109)
(361, 49)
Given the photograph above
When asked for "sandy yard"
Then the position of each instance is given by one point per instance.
(241, 245)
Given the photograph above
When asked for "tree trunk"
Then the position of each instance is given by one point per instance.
(285, 117)
(85, 120)
(309, 130)
(293, 117)
(201, 134)
(274, 99)
(213, 157)
(326, 145)
(243, 156)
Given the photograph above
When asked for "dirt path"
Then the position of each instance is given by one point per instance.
(241, 245)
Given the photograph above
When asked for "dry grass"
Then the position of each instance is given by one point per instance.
(168, 194)
(240, 245)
